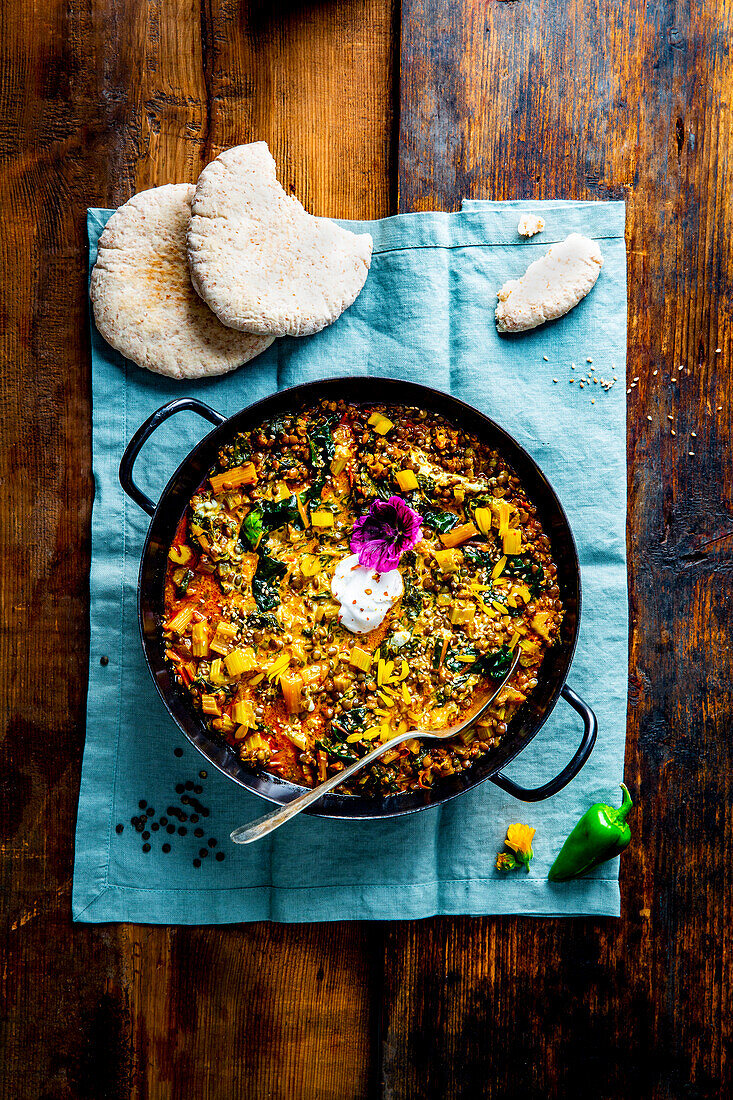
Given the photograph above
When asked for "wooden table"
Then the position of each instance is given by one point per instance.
(370, 110)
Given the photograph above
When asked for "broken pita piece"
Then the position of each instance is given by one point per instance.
(551, 286)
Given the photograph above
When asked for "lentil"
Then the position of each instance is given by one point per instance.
(266, 661)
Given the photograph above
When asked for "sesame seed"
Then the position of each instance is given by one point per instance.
(545, 359)
(655, 372)
(718, 351)
(673, 379)
(571, 380)
(670, 416)
(629, 390)
(720, 408)
(572, 366)
(694, 435)
(615, 378)
(592, 400)
(690, 453)
(637, 378)
(589, 360)
(673, 432)
(649, 418)
(554, 380)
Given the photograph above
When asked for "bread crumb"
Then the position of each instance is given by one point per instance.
(529, 224)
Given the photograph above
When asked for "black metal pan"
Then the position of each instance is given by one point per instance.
(166, 515)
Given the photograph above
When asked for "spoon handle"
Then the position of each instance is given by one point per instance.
(261, 826)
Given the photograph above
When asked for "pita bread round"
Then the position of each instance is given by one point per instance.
(144, 304)
(259, 260)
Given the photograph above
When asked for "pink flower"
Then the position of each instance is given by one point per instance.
(382, 536)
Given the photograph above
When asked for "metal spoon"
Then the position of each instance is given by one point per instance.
(255, 830)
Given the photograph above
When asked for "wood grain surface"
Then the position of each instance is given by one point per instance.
(369, 109)
(101, 99)
(598, 100)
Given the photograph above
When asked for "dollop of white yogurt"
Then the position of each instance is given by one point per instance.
(365, 595)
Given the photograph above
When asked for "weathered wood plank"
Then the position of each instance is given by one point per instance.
(99, 100)
(586, 100)
(251, 1011)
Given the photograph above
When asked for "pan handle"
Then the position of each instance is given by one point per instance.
(180, 404)
(590, 730)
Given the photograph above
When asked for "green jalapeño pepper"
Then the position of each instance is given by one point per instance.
(601, 834)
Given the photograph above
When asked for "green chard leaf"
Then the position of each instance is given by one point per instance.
(349, 722)
(182, 585)
(478, 557)
(320, 440)
(322, 450)
(531, 572)
(411, 600)
(265, 587)
(453, 664)
(250, 533)
(369, 488)
(268, 515)
(494, 665)
(264, 621)
(341, 752)
(438, 520)
(278, 513)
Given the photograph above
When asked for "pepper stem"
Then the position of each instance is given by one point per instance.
(623, 811)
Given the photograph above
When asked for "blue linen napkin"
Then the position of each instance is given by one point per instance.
(152, 841)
